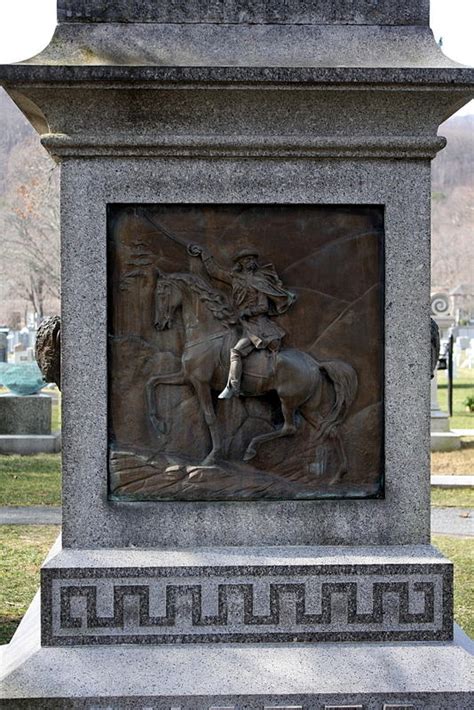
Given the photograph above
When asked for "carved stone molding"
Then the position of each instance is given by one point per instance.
(260, 11)
(190, 146)
(266, 602)
(244, 119)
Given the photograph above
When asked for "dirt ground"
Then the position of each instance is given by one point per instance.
(460, 463)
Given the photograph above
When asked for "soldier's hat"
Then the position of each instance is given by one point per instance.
(243, 253)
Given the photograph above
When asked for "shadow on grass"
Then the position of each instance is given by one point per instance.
(8, 626)
(457, 386)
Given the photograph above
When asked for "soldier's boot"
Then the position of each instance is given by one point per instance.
(232, 388)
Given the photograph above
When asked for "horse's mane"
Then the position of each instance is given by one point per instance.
(214, 299)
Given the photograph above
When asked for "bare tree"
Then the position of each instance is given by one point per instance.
(453, 206)
(31, 225)
(15, 129)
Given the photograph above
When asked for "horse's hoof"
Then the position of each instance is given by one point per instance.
(210, 460)
(338, 477)
(249, 454)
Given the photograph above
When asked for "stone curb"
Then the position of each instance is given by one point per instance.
(30, 515)
(452, 481)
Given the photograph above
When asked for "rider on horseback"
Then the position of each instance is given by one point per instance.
(258, 295)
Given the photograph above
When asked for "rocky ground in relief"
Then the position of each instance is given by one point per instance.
(139, 476)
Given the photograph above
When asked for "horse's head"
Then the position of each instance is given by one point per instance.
(167, 300)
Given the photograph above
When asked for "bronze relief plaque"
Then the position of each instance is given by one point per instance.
(245, 352)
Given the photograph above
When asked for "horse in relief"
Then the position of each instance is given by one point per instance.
(210, 330)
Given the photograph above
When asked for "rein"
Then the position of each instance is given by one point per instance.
(205, 340)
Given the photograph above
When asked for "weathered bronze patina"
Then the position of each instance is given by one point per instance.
(245, 352)
(48, 349)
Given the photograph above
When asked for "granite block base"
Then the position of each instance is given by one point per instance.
(444, 441)
(246, 595)
(439, 421)
(25, 415)
(366, 676)
(29, 444)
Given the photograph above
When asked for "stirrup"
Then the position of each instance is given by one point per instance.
(227, 393)
(230, 391)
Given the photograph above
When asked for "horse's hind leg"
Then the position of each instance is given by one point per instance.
(288, 429)
(342, 470)
(173, 378)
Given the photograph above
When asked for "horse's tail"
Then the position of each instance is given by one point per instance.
(343, 378)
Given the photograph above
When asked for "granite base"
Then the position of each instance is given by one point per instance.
(439, 421)
(246, 595)
(367, 676)
(29, 444)
(444, 441)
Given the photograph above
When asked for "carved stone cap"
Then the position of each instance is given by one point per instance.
(323, 12)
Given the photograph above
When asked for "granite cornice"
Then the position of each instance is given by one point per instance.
(363, 147)
(236, 11)
(234, 45)
(243, 120)
(96, 51)
(387, 78)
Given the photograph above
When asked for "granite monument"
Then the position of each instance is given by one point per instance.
(245, 226)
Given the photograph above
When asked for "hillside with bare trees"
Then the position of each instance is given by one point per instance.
(14, 129)
(29, 222)
(452, 261)
(29, 215)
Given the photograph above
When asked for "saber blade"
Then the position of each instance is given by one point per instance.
(164, 231)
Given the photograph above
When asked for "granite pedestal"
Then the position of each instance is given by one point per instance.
(242, 604)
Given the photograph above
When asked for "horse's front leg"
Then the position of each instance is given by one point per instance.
(288, 429)
(172, 378)
(203, 393)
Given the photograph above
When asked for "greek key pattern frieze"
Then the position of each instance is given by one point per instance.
(118, 607)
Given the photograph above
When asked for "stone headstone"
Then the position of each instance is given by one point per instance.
(3, 344)
(442, 438)
(22, 353)
(29, 415)
(245, 185)
(25, 414)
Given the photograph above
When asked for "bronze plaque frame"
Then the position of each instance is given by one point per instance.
(331, 257)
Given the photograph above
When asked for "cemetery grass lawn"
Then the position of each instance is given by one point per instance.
(463, 387)
(452, 497)
(56, 413)
(22, 550)
(30, 480)
(461, 552)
